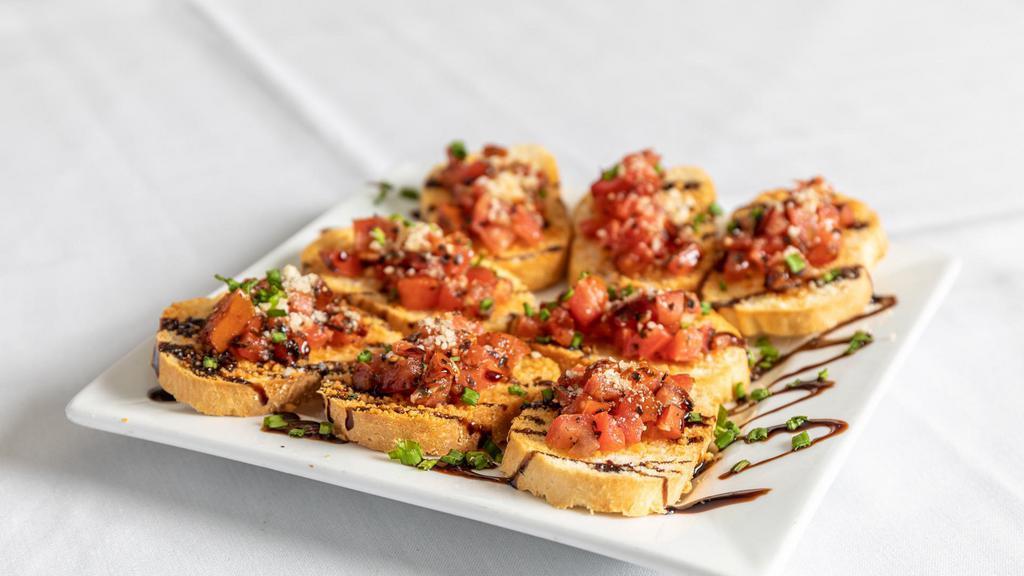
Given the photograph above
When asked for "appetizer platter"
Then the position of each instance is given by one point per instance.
(632, 369)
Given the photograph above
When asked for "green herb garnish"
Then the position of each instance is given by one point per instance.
(383, 189)
(757, 435)
(470, 396)
(739, 466)
(326, 428)
(739, 391)
(275, 422)
(715, 210)
(274, 278)
(485, 305)
(801, 441)
(276, 313)
(759, 394)
(528, 310)
(407, 452)
(427, 464)
(378, 236)
(823, 375)
(454, 458)
(544, 314)
(705, 308)
(231, 282)
(577, 341)
(795, 422)
(627, 291)
(698, 220)
(859, 340)
(492, 450)
(409, 193)
(830, 275)
(542, 339)
(722, 285)
(478, 460)
(365, 356)
(612, 293)
(297, 432)
(209, 362)
(547, 394)
(516, 390)
(695, 418)
(566, 295)
(457, 149)
(611, 173)
(795, 262)
(277, 336)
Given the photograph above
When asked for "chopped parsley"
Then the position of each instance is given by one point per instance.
(276, 313)
(859, 340)
(612, 293)
(795, 262)
(627, 291)
(801, 441)
(470, 396)
(516, 390)
(457, 149)
(699, 219)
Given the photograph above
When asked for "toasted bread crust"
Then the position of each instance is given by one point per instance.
(365, 292)
(378, 423)
(249, 389)
(588, 256)
(643, 479)
(537, 266)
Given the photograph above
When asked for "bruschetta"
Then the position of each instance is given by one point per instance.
(672, 330)
(261, 346)
(796, 261)
(405, 271)
(646, 226)
(619, 437)
(509, 202)
(448, 386)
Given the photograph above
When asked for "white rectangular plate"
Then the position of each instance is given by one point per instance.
(748, 538)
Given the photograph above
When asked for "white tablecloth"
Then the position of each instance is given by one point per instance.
(146, 145)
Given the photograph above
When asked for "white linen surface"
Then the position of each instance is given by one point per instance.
(148, 144)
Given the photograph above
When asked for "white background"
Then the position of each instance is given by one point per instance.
(146, 145)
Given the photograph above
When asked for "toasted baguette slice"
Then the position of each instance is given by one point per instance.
(537, 266)
(588, 256)
(645, 478)
(247, 388)
(366, 292)
(716, 374)
(379, 422)
(816, 304)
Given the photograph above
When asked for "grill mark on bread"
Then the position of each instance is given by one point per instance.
(528, 255)
(844, 273)
(186, 327)
(191, 357)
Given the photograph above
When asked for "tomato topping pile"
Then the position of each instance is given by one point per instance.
(642, 222)
(778, 240)
(645, 325)
(281, 317)
(420, 267)
(496, 198)
(447, 360)
(610, 405)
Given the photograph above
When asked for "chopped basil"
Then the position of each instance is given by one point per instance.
(407, 452)
(739, 466)
(275, 422)
(757, 435)
(528, 310)
(801, 441)
(611, 173)
(470, 396)
(457, 149)
(209, 362)
(492, 450)
(795, 422)
(383, 189)
(231, 282)
(695, 418)
(547, 394)
(453, 458)
(297, 432)
(859, 340)
(516, 390)
(795, 262)
(577, 341)
(365, 356)
(705, 308)
(715, 210)
(739, 391)
(409, 193)
(277, 336)
(326, 428)
(378, 236)
(485, 305)
(759, 394)
(478, 460)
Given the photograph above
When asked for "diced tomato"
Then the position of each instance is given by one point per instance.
(449, 218)
(494, 150)
(610, 434)
(488, 215)
(588, 301)
(342, 262)
(687, 345)
(560, 326)
(228, 320)
(365, 226)
(251, 347)
(448, 300)
(847, 217)
(673, 390)
(653, 340)
(685, 260)
(317, 336)
(525, 327)
(527, 224)
(670, 423)
(669, 307)
(682, 382)
(419, 292)
(632, 428)
(573, 433)
(458, 172)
